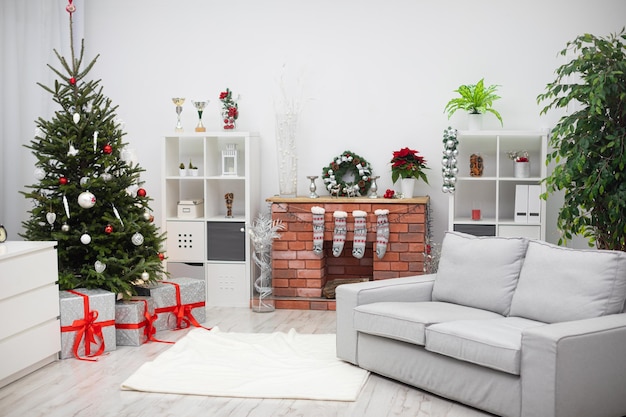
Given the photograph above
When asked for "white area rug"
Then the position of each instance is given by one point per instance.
(253, 365)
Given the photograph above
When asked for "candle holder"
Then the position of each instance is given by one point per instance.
(374, 187)
(178, 101)
(312, 186)
(200, 105)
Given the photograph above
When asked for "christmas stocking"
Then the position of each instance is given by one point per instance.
(360, 233)
(382, 232)
(339, 235)
(318, 229)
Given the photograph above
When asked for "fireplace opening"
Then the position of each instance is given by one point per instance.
(346, 268)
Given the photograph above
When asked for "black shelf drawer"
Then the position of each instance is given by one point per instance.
(226, 241)
(476, 229)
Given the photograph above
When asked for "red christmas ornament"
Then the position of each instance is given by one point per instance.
(151, 218)
(108, 229)
(107, 149)
(141, 192)
(62, 180)
(73, 81)
(161, 256)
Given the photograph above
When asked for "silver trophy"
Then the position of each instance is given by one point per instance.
(179, 109)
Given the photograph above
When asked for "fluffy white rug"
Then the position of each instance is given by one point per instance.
(254, 365)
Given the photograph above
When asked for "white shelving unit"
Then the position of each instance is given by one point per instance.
(494, 192)
(208, 244)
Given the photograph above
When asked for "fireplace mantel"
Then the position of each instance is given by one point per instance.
(299, 275)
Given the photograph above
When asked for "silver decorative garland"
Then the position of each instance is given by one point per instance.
(449, 160)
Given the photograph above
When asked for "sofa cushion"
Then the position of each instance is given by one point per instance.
(406, 321)
(479, 272)
(562, 284)
(494, 344)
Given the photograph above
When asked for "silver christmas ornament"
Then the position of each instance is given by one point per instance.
(137, 239)
(85, 239)
(99, 266)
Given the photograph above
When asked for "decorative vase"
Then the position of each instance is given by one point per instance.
(286, 125)
(228, 117)
(407, 185)
(475, 121)
(522, 169)
(262, 300)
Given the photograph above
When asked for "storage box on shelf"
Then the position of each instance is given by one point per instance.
(496, 192)
(209, 239)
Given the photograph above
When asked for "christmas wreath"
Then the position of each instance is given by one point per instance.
(348, 175)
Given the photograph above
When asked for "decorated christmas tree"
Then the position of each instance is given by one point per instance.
(89, 196)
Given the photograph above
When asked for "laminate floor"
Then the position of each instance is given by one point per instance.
(72, 387)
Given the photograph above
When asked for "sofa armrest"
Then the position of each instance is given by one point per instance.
(575, 368)
(349, 296)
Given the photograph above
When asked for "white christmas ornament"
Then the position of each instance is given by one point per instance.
(137, 239)
(86, 200)
(85, 239)
(39, 174)
(65, 227)
(100, 267)
(76, 118)
(145, 276)
(51, 217)
(72, 151)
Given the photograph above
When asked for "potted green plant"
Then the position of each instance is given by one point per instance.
(193, 170)
(589, 143)
(182, 171)
(475, 99)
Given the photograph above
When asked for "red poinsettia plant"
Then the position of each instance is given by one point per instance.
(408, 163)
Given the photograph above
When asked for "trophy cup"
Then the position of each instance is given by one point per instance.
(179, 109)
(200, 105)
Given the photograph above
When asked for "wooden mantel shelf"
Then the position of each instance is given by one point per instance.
(348, 200)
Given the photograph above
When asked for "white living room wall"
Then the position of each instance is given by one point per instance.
(373, 75)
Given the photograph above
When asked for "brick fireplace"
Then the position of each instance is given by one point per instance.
(299, 275)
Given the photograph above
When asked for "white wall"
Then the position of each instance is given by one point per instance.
(376, 74)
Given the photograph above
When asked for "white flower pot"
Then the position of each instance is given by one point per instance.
(193, 172)
(182, 172)
(475, 121)
(407, 185)
(522, 169)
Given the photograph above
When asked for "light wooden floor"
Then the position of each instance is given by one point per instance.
(91, 389)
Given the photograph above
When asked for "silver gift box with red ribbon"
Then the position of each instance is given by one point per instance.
(178, 302)
(87, 323)
(134, 321)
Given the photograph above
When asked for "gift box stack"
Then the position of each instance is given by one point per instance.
(178, 302)
(87, 323)
(134, 321)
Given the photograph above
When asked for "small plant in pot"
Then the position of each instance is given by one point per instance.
(193, 170)
(182, 171)
(475, 99)
(522, 163)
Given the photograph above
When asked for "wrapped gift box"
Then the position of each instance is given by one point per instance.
(87, 315)
(178, 302)
(134, 321)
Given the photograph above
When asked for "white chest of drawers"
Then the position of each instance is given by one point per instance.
(29, 308)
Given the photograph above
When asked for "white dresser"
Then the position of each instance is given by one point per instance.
(30, 335)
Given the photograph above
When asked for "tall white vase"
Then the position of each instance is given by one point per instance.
(407, 185)
(286, 125)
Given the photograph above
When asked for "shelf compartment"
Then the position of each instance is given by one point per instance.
(185, 241)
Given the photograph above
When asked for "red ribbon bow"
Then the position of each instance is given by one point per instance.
(182, 312)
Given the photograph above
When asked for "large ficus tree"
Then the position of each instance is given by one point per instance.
(589, 144)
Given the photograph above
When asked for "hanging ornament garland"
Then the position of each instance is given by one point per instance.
(348, 175)
(449, 160)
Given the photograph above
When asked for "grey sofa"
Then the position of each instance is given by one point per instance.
(512, 326)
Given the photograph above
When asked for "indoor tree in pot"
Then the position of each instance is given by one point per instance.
(589, 144)
(476, 99)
